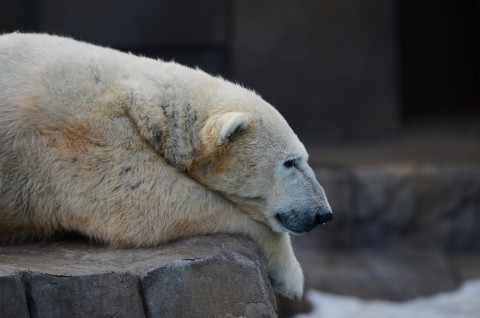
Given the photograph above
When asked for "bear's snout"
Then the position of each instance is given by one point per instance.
(323, 218)
(299, 222)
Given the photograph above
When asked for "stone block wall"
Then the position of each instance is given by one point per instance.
(401, 206)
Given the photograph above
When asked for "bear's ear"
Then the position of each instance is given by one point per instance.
(229, 124)
(220, 128)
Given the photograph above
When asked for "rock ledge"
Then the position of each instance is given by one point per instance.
(211, 276)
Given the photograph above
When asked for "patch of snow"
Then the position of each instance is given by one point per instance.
(462, 303)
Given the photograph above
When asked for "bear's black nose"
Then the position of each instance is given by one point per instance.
(297, 222)
(323, 218)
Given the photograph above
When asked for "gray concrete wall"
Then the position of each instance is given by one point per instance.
(328, 66)
(195, 33)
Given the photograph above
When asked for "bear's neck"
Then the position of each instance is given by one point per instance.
(167, 119)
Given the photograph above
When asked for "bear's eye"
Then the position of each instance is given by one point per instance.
(289, 163)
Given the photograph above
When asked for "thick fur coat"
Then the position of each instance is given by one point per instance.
(132, 152)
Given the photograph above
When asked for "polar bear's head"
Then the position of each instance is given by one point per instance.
(252, 157)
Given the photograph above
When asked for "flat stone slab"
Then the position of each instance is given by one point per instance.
(211, 276)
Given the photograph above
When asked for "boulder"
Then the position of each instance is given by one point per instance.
(211, 276)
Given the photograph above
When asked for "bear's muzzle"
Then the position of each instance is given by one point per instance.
(299, 222)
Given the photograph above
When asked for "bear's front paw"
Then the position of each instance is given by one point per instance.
(288, 280)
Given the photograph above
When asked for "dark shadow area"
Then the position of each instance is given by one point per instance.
(439, 50)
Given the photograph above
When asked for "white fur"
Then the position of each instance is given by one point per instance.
(137, 152)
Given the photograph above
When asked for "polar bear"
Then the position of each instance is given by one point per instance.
(134, 152)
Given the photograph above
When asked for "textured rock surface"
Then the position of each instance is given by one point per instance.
(217, 276)
(382, 275)
(398, 206)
